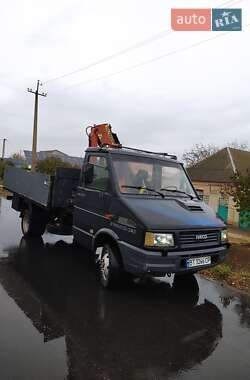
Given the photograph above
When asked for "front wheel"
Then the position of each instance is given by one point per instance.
(185, 274)
(109, 268)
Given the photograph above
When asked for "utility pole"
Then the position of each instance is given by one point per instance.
(34, 139)
(3, 148)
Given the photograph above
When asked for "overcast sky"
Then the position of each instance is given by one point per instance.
(198, 95)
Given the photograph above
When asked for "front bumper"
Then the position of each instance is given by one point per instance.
(141, 261)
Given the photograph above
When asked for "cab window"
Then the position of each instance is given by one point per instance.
(97, 173)
(141, 176)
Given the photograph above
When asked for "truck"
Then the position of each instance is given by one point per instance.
(135, 210)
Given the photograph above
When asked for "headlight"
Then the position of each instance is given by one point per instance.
(158, 240)
(224, 236)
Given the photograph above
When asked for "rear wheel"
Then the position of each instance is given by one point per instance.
(33, 222)
(109, 267)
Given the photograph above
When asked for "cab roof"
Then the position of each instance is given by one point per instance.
(126, 151)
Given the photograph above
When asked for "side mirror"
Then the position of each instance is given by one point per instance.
(88, 173)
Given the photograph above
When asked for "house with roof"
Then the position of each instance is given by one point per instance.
(42, 155)
(212, 177)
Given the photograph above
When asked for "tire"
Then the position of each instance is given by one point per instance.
(186, 279)
(31, 245)
(185, 274)
(186, 289)
(33, 223)
(109, 269)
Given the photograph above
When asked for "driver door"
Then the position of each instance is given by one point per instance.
(93, 199)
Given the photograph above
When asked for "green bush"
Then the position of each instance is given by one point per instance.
(222, 272)
(3, 165)
(49, 165)
(241, 194)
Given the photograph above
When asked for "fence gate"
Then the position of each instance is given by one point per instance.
(223, 208)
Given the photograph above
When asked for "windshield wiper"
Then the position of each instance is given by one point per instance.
(144, 188)
(177, 191)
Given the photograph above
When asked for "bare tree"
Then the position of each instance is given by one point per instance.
(198, 153)
(238, 145)
(18, 156)
(201, 151)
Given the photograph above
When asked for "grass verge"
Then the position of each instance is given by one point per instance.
(226, 274)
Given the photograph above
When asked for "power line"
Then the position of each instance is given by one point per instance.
(135, 46)
(144, 63)
(115, 55)
(230, 1)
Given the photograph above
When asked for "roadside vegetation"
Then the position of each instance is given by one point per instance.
(50, 164)
(3, 165)
(241, 194)
(236, 269)
(225, 274)
(11, 162)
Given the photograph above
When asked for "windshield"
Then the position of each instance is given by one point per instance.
(151, 177)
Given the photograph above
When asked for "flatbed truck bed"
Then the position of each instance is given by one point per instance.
(42, 189)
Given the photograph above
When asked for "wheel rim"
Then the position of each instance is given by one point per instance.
(26, 223)
(104, 265)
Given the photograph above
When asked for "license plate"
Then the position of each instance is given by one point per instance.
(198, 261)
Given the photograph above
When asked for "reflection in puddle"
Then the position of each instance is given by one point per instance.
(143, 331)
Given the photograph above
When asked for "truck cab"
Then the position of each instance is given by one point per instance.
(140, 214)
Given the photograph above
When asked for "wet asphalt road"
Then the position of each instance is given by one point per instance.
(57, 323)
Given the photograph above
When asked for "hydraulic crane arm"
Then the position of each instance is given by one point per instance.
(101, 135)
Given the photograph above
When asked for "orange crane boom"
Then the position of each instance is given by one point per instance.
(101, 135)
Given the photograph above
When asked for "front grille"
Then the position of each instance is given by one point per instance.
(198, 238)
